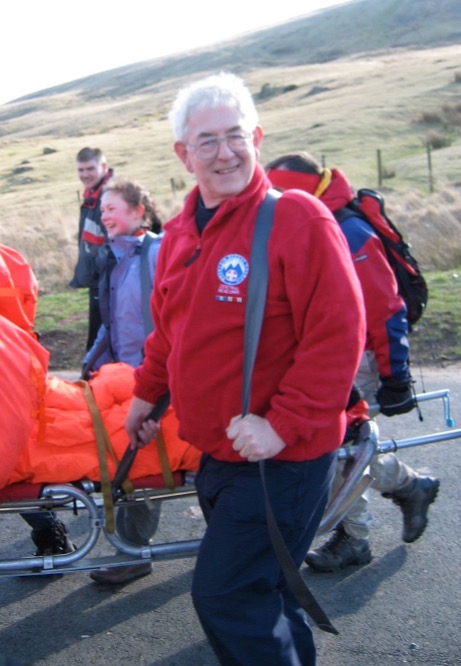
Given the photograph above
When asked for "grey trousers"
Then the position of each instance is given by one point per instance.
(388, 472)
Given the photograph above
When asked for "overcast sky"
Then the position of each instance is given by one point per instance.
(49, 42)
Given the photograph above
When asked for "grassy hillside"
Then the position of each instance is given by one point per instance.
(343, 111)
(436, 339)
(369, 78)
(359, 26)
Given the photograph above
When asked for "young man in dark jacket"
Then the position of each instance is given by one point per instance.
(94, 173)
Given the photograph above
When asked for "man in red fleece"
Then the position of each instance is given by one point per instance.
(311, 342)
(384, 372)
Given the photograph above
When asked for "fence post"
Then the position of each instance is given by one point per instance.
(380, 168)
(429, 167)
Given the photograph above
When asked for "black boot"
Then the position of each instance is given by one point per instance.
(52, 540)
(414, 500)
(340, 551)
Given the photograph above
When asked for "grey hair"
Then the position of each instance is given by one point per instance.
(223, 89)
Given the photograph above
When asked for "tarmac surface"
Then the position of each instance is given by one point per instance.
(402, 608)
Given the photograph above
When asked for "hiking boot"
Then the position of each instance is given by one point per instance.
(52, 540)
(414, 500)
(121, 575)
(341, 550)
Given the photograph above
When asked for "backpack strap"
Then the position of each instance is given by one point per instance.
(342, 214)
(254, 312)
(146, 284)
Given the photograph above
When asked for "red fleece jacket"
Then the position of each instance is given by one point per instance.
(313, 331)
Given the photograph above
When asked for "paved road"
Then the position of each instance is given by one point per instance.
(403, 608)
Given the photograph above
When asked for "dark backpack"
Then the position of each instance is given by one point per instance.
(369, 205)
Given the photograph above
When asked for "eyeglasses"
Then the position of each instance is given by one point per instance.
(207, 149)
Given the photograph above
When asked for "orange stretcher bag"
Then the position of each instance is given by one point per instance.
(18, 289)
(62, 447)
(47, 431)
(24, 364)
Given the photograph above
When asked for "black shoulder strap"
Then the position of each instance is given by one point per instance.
(256, 301)
(257, 291)
(342, 214)
(146, 284)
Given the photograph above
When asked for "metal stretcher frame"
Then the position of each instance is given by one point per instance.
(86, 496)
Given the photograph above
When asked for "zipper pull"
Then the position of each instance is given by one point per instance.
(195, 256)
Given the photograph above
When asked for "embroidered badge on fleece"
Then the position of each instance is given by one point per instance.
(232, 271)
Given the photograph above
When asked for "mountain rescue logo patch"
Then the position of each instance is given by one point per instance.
(233, 269)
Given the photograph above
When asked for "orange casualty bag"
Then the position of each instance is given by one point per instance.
(68, 451)
(23, 363)
(61, 447)
(18, 289)
(47, 431)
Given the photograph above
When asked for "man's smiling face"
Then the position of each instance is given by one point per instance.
(229, 172)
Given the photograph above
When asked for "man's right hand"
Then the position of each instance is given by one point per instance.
(140, 431)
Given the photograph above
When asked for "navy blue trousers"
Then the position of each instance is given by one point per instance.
(40, 520)
(238, 590)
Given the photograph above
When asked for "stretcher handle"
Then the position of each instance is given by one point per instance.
(124, 466)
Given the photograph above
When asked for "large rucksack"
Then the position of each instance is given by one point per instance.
(412, 286)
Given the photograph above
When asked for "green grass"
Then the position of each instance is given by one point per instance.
(62, 323)
(66, 312)
(62, 320)
(437, 337)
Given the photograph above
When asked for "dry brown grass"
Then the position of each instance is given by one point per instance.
(432, 225)
(342, 111)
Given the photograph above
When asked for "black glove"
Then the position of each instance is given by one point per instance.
(395, 397)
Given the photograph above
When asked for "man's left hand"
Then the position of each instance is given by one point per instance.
(395, 397)
(254, 437)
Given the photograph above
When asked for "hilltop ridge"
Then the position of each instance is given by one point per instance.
(359, 26)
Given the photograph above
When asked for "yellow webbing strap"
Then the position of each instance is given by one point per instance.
(38, 381)
(126, 485)
(324, 183)
(164, 462)
(104, 447)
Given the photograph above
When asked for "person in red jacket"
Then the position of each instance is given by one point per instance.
(311, 340)
(384, 372)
